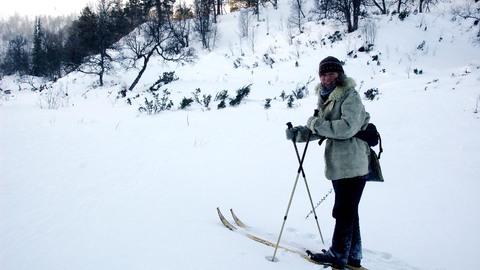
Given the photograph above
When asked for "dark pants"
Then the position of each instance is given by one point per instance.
(347, 243)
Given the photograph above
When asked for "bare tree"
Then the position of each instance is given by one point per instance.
(347, 11)
(424, 5)
(369, 32)
(351, 11)
(143, 47)
(381, 5)
(217, 9)
(203, 23)
(252, 38)
(181, 24)
(297, 16)
(244, 22)
(405, 3)
(156, 37)
(472, 12)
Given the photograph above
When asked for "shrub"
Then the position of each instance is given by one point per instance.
(241, 94)
(157, 104)
(122, 93)
(421, 46)
(51, 98)
(237, 63)
(268, 60)
(221, 96)
(196, 95)
(166, 78)
(418, 71)
(366, 48)
(221, 105)
(300, 92)
(290, 101)
(403, 14)
(206, 100)
(267, 103)
(371, 93)
(169, 77)
(186, 102)
(337, 36)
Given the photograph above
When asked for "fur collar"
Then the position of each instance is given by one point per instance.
(339, 91)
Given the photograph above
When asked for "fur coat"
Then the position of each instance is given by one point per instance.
(341, 116)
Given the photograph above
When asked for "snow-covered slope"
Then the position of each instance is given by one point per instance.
(96, 185)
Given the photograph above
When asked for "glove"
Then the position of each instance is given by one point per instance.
(291, 133)
(311, 123)
(297, 133)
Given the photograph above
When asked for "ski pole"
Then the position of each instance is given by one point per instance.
(305, 178)
(300, 170)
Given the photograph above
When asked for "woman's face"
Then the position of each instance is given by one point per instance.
(329, 79)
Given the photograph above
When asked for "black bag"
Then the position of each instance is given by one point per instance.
(371, 136)
(374, 168)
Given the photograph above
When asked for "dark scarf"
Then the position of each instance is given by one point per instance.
(325, 93)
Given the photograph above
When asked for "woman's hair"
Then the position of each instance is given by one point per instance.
(341, 79)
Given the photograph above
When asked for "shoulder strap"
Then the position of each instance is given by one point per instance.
(379, 145)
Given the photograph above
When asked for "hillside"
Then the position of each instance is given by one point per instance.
(95, 184)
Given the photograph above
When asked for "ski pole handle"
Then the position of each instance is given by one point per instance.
(289, 125)
(315, 113)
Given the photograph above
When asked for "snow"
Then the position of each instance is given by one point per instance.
(96, 185)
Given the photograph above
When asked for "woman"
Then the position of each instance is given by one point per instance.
(342, 115)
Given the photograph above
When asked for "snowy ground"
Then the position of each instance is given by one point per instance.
(96, 185)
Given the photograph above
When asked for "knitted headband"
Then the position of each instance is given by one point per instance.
(330, 64)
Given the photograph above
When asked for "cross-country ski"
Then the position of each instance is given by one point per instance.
(243, 230)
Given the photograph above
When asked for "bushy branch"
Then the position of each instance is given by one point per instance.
(186, 102)
(222, 97)
(241, 94)
(157, 104)
(53, 98)
(166, 78)
(371, 93)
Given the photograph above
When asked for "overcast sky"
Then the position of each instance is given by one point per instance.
(42, 7)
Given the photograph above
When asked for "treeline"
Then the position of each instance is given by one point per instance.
(52, 48)
(52, 51)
